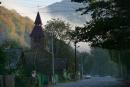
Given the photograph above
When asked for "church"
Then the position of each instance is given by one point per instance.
(39, 57)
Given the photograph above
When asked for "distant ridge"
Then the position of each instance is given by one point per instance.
(66, 9)
(14, 26)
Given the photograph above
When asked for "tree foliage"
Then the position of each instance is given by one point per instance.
(66, 52)
(6, 57)
(109, 27)
(98, 62)
(10, 44)
(2, 61)
(59, 28)
(61, 31)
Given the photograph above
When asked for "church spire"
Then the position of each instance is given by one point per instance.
(37, 34)
(37, 31)
(38, 20)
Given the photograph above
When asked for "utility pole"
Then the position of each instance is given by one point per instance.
(120, 64)
(53, 61)
(0, 6)
(75, 61)
(82, 67)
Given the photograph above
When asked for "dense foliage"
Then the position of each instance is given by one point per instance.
(98, 62)
(59, 28)
(2, 61)
(109, 27)
(62, 50)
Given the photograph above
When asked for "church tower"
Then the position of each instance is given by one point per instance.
(37, 35)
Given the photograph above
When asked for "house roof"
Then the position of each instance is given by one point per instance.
(14, 55)
(43, 62)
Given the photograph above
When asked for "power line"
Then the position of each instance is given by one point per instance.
(38, 4)
(58, 11)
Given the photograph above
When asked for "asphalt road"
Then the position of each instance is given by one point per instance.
(93, 82)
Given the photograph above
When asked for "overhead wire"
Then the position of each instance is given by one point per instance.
(39, 7)
(37, 4)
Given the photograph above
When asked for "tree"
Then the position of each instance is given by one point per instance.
(6, 57)
(66, 52)
(59, 28)
(98, 62)
(109, 24)
(10, 44)
(2, 61)
(61, 31)
(109, 27)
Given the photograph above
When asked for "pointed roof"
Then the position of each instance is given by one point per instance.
(37, 31)
(38, 19)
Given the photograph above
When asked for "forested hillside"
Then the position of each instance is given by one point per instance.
(14, 27)
(99, 63)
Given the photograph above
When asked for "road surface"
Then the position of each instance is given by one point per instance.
(93, 82)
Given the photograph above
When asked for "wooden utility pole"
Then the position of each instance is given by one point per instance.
(53, 59)
(75, 61)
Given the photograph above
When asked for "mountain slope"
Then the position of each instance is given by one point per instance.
(66, 10)
(14, 27)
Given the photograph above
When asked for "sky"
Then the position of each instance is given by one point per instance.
(27, 7)
(31, 7)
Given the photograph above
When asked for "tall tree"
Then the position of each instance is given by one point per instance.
(109, 27)
(98, 63)
(59, 28)
(61, 31)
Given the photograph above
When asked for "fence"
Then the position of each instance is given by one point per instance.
(7, 81)
(39, 81)
(23, 81)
